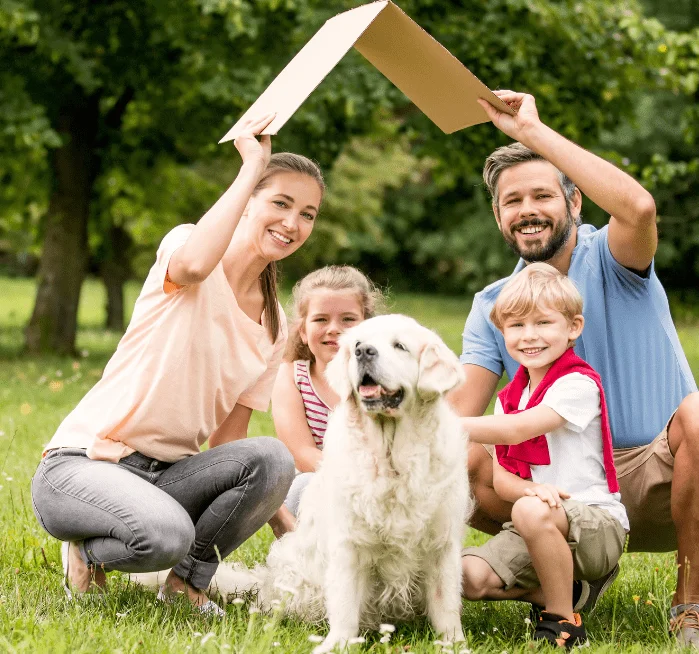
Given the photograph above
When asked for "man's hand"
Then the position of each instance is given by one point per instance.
(519, 125)
(548, 494)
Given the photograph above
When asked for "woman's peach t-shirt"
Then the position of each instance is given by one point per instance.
(189, 356)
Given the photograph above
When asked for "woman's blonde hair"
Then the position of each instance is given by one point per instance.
(538, 285)
(281, 162)
(331, 278)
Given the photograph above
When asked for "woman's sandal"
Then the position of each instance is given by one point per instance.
(92, 594)
(209, 608)
(559, 631)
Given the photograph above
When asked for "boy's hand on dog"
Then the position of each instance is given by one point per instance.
(548, 493)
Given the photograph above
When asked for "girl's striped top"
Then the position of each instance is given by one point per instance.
(316, 410)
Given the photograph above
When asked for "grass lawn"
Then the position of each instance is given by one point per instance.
(37, 393)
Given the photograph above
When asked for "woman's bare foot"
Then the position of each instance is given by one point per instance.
(282, 521)
(175, 585)
(84, 578)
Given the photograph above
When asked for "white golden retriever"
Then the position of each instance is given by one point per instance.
(378, 536)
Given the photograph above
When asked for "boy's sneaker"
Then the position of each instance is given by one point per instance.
(560, 632)
(593, 590)
(684, 624)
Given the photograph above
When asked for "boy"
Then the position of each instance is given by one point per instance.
(554, 461)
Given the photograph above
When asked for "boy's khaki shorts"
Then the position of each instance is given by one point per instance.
(645, 478)
(596, 540)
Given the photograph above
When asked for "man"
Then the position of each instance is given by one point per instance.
(629, 338)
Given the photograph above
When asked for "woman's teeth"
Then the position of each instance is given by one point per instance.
(280, 238)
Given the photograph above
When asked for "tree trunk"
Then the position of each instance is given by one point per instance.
(53, 324)
(115, 270)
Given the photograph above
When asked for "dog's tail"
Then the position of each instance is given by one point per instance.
(235, 580)
(230, 581)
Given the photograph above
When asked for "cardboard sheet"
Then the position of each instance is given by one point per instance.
(436, 81)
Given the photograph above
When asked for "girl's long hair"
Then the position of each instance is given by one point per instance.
(281, 162)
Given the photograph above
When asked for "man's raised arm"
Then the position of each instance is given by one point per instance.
(633, 235)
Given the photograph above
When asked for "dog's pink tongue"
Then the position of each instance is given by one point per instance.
(370, 391)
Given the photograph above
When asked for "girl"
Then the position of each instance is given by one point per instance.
(326, 302)
(123, 482)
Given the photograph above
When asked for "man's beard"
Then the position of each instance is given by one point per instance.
(547, 250)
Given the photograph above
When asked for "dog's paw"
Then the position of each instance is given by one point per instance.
(332, 644)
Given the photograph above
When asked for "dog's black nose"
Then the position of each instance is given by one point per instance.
(364, 351)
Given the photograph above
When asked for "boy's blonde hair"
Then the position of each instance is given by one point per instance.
(331, 278)
(537, 285)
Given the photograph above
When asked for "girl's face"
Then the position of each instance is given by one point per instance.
(280, 216)
(329, 314)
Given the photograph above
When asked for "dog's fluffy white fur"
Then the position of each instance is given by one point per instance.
(378, 536)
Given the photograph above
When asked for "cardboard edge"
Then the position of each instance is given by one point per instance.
(273, 128)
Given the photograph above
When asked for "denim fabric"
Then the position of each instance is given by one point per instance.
(142, 515)
(293, 498)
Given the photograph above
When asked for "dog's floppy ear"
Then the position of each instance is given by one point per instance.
(439, 370)
(337, 371)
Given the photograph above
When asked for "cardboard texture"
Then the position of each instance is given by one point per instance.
(436, 81)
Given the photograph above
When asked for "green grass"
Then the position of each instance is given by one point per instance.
(35, 395)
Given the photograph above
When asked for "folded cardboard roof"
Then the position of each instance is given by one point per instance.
(436, 81)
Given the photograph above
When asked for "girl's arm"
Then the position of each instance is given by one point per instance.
(512, 428)
(290, 420)
(195, 260)
(233, 428)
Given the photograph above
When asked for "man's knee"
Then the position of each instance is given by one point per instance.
(480, 465)
(479, 579)
(684, 428)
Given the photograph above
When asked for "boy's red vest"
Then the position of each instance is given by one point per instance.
(517, 458)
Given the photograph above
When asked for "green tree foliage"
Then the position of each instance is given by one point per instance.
(99, 97)
(110, 112)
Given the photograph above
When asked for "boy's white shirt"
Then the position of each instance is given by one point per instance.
(575, 449)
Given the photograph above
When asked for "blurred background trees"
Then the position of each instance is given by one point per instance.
(110, 112)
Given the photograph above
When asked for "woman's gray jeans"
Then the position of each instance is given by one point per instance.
(142, 515)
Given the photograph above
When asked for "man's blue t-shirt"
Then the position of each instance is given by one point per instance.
(629, 338)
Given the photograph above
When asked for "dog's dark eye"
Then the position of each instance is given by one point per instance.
(399, 346)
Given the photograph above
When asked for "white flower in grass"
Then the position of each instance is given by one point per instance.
(385, 639)
(315, 638)
(387, 628)
(208, 637)
(238, 600)
(527, 621)
(276, 643)
(495, 629)
(357, 640)
(197, 634)
(253, 609)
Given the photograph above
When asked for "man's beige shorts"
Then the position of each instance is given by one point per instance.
(645, 478)
(596, 541)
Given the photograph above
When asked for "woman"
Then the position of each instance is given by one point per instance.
(123, 482)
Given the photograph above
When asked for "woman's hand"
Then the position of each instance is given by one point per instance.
(525, 119)
(254, 151)
(547, 493)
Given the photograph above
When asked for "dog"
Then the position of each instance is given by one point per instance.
(379, 528)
